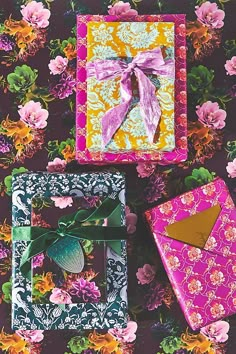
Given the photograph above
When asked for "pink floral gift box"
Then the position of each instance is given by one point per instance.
(195, 234)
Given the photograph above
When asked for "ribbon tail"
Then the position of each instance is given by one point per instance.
(115, 246)
(113, 119)
(149, 105)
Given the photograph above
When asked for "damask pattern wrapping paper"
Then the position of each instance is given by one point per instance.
(26, 314)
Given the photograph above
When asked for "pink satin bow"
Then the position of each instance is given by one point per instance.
(148, 62)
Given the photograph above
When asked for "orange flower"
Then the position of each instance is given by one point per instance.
(197, 343)
(70, 51)
(68, 153)
(200, 135)
(5, 232)
(104, 343)
(23, 32)
(45, 284)
(198, 34)
(13, 344)
(19, 131)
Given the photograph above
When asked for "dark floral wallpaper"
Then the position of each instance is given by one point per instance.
(37, 133)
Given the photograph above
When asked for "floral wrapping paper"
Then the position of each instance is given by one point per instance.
(124, 41)
(203, 278)
(38, 73)
(28, 315)
(179, 153)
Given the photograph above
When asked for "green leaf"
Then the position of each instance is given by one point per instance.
(78, 344)
(22, 79)
(230, 48)
(200, 81)
(53, 149)
(199, 177)
(8, 179)
(7, 289)
(54, 47)
(231, 149)
(170, 344)
(87, 246)
(70, 40)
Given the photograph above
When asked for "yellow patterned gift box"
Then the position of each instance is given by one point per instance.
(123, 41)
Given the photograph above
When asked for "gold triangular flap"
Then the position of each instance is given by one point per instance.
(195, 229)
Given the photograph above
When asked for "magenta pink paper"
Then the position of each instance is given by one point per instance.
(179, 154)
(204, 280)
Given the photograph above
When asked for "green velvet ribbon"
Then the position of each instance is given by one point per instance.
(72, 225)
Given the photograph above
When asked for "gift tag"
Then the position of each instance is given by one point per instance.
(67, 254)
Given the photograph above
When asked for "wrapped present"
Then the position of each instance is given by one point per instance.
(150, 47)
(195, 234)
(69, 251)
(131, 89)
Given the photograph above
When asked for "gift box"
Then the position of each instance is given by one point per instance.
(195, 234)
(126, 118)
(119, 40)
(69, 251)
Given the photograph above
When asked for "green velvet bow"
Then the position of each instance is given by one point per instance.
(72, 227)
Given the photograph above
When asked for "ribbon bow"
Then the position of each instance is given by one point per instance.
(71, 227)
(148, 62)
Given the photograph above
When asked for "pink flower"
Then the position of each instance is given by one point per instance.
(62, 202)
(31, 336)
(33, 115)
(145, 169)
(146, 274)
(38, 260)
(209, 14)
(230, 66)
(210, 114)
(131, 220)
(59, 296)
(121, 8)
(58, 65)
(231, 168)
(85, 290)
(36, 14)
(125, 335)
(217, 331)
(57, 165)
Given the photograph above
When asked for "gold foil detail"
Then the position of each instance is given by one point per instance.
(195, 229)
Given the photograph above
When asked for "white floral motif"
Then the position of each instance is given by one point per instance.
(196, 319)
(217, 277)
(211, 243)
(217, 310)
(169, 34)
(102, 33)
(136, 34)
(103, 52)
(187, 198)
(173, 262)
(194, 254)
(230, 233)
(195, 286)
